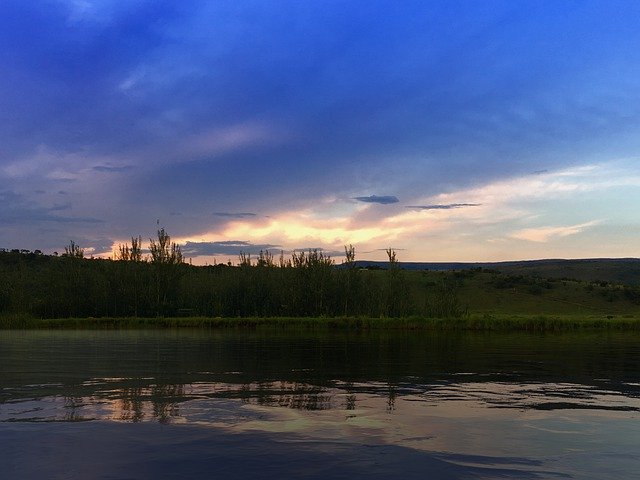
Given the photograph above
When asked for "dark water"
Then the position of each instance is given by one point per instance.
(224, 404)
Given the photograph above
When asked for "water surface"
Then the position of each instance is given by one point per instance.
(274, 404)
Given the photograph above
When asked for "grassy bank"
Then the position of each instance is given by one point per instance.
(481, 322)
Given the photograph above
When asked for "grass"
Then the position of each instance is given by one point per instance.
(499, 294)
(474, 322)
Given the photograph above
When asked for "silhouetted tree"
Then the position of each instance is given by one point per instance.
(131, 253)
(164, 251)
(306, 284)
(166, 258)
(350, 290)
(73, 250)
(127, 281)
(395, 293)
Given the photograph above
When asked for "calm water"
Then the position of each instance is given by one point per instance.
(223, 404)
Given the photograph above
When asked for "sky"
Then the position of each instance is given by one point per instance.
(447, 130)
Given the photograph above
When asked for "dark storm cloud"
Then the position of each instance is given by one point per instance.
(231, 247)
(382, 199)
(17, 210)
(99, 245)
(446, 206)
(234, 214)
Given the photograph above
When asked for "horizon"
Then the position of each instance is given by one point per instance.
(449, 131)
(337, 259)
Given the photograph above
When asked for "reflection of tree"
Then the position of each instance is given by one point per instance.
(299, 396)
(72, 412)
(350, 403)
(306, 397)
(131, 405)
(160, 401)
(391, 399)
(263, 394)
(245, 393)
(164, 399)
(350, 399)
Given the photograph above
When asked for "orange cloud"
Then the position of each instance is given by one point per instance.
(544, 234)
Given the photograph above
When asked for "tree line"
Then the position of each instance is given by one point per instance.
(160, 283)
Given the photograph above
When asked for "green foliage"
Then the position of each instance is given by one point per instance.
(308, 284)
(350, 284)
(395, 294)
(441, 301)
(17, 320)
(166, 259)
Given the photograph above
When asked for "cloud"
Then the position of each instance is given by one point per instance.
(381, 199)
(215, 106)
(100, 245)
(234, 214)
(28, 215)
(544, 234)
(17, 210)
(97, 13)
(447, 206)
(303, 227)
(228, 247)
(557, 185)
(112, 169)
(58, 207)
(230, 138)
(232, 248)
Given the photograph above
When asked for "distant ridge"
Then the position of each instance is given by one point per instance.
(510, 263)
(613, 270)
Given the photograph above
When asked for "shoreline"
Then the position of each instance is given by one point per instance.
(472, 322)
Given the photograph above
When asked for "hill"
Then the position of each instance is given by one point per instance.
(624, 271)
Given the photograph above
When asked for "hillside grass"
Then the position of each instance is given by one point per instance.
(493, 293)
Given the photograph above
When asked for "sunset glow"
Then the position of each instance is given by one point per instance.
(450, 131)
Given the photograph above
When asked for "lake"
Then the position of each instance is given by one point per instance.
(318, 404)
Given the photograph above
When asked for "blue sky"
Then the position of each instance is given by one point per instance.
(451, 130)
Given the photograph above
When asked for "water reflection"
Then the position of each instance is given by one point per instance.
(490, 405)
(135, 400)
(147, 375)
